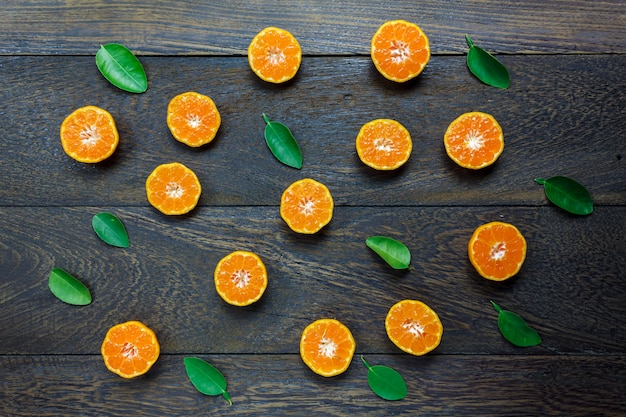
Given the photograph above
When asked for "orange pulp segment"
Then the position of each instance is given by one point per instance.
(327, 347)
(89, 134)
(240, 278)
(173, 188)
(497, 250)
(274, 55)
(384, 144)
(413, 327)
(306, 206)
(193, 118)
(474, 140)
(130, 349)
(400, 50)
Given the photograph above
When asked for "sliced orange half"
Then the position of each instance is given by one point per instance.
(327, 347)
(413, 327)
(384, 144)
(474, 140)
(400, 50)
(306, 206)
(497, 250)
(130, 349)
(240, 278)
(274, 55)
(89, 134)
(173, 188)
(193, 118)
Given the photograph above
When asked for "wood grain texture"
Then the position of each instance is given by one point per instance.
(324, 27)
(570, 288)
(563, 115)
(282, 385)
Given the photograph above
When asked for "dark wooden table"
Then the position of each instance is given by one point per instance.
(564, 114)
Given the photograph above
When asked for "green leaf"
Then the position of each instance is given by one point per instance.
(514, 328)
(567, 194)
(281, 142)
(122, 68)
(206, 378)
(392, 251)
(67, 288)
(486, 67)
(386, 382)
(110, 229)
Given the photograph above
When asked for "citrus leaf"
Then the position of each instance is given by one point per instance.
(486, 67)
(110, 229)
(282, 144)
(514, 328)
(386, 382)
(392, 251)
(206, 378)
(567, 194)
(67, 288)
(121, 68)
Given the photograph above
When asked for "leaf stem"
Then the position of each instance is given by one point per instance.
(540, 181)
(265, 118)
(226, 395)
(470, 43)
(495, 306)
(367, 365)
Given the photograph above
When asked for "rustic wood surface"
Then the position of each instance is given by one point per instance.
(564, 114)
(440, 385)
(323, 27)
(558, 110)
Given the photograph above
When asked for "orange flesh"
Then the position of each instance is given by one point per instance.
(327, 347)
(274, 55)
(130, 349)
(384, 144)
(89, 134)
(497, 250)
(240, 278)
(306, 206)
(173, 188)
(400, 50)
(413, 327)
(193, 118)
(474, 140)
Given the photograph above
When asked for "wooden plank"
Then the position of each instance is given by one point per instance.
(281, 385)
(571, 287)
(563, 115)
(324, 27)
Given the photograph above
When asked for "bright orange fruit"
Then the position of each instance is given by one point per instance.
(413, 327)
(130, 349)
(274, 55)
(193, 118)
(327, 347)
(497, 250)
(89, 134)
(240, 278)
(474, 140)
(384, 144)
(173, 188)
(400, 50)
(306, 206)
